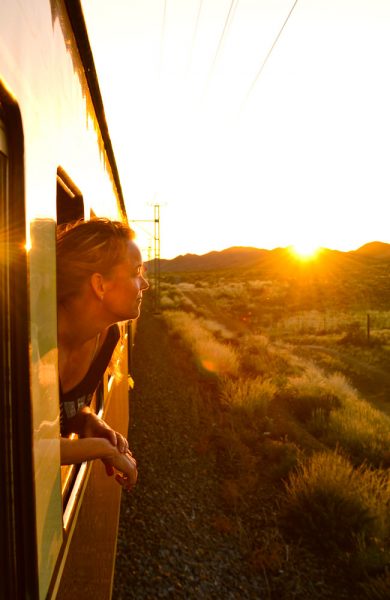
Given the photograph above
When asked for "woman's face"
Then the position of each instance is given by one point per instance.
(123, 288)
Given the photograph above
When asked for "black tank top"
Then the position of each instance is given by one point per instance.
(81, 395)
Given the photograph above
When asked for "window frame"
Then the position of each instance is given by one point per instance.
(70, 207)
(18, 540)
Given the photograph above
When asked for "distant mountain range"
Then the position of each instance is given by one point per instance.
(253, 259)
(375, 249)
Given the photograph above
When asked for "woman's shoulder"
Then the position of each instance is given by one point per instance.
(110, 335)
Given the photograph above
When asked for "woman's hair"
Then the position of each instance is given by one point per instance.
(88, 247)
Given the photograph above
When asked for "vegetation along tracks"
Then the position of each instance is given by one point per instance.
(372, 380)
(210, 516)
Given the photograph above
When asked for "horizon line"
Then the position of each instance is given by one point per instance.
(270, 249)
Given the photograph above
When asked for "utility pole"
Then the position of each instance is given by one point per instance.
(155, 261)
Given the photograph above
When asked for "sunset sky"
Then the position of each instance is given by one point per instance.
(238, 148)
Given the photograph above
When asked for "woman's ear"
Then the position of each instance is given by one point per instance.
(97, 284)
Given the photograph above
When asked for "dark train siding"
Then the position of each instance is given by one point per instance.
(56, 162)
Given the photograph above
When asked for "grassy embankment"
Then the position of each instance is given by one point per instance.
(285, 416)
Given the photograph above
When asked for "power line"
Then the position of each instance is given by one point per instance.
(194, 35)
(163, 35)
(259, 72)
(228, 20)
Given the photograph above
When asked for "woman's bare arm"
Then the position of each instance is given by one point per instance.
(87, 424)
(77, 451)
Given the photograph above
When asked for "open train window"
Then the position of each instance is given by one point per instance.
(70, 207)
(70, 204)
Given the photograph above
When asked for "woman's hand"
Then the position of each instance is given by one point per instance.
(88, 425)
(124, 466)
(93, 426)
(96, 427)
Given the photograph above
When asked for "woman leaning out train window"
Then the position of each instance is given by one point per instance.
(99, 283)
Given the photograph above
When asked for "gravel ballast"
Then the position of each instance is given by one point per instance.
(175, 540)
(168, 546)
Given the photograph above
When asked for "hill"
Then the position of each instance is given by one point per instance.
(375, 250)
(237, 256)
(334, 278)
(279, 262)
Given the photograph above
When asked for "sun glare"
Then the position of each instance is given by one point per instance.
(305, 251)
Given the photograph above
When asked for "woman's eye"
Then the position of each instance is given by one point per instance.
(139, 271)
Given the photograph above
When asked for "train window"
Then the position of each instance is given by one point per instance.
(70, 204)
(70, 207)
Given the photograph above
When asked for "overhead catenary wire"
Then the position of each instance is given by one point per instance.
(194, 35)
(259, 72)
(162, 40)
(228, 21)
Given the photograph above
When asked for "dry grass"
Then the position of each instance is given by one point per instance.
(210, 354)
(329, 405)
(329, 321)
(259, 356)
(337, 415)
(377, 588)
(362, 430)
(251, 395)
(274, 402)
(335, 506)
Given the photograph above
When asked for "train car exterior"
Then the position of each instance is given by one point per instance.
(58, 525)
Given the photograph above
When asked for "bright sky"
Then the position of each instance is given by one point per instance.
(236, 153)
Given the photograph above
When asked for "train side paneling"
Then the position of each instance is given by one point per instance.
(57, 139)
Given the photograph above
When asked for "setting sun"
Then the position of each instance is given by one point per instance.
(305, 250)
(201, 114)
